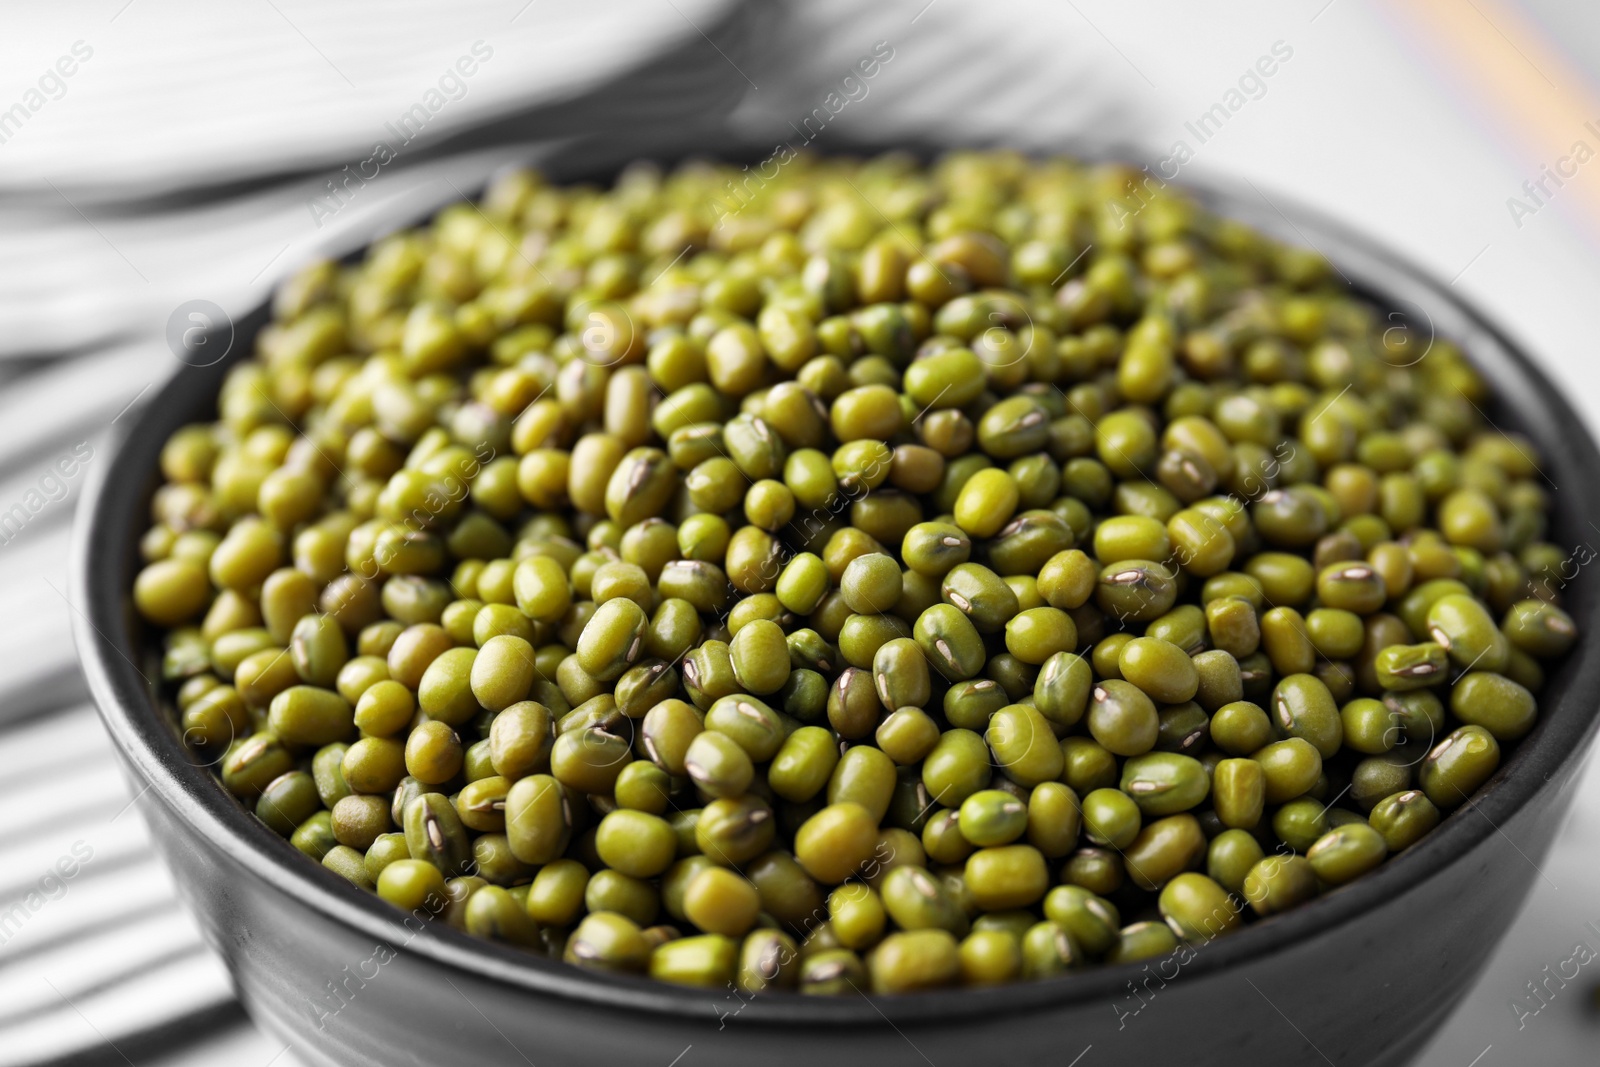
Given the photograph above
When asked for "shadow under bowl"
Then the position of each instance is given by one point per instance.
(1361, 975)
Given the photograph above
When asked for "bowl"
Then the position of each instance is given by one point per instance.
(1361, 975)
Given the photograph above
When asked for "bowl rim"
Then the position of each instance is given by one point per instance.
(105, 634)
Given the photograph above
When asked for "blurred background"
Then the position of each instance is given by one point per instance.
(158, 154)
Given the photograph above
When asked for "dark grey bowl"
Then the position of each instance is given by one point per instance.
(1362, 975)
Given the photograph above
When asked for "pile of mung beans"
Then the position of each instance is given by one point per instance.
(913, 576)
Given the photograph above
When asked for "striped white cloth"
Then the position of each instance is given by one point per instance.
(190, 152)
